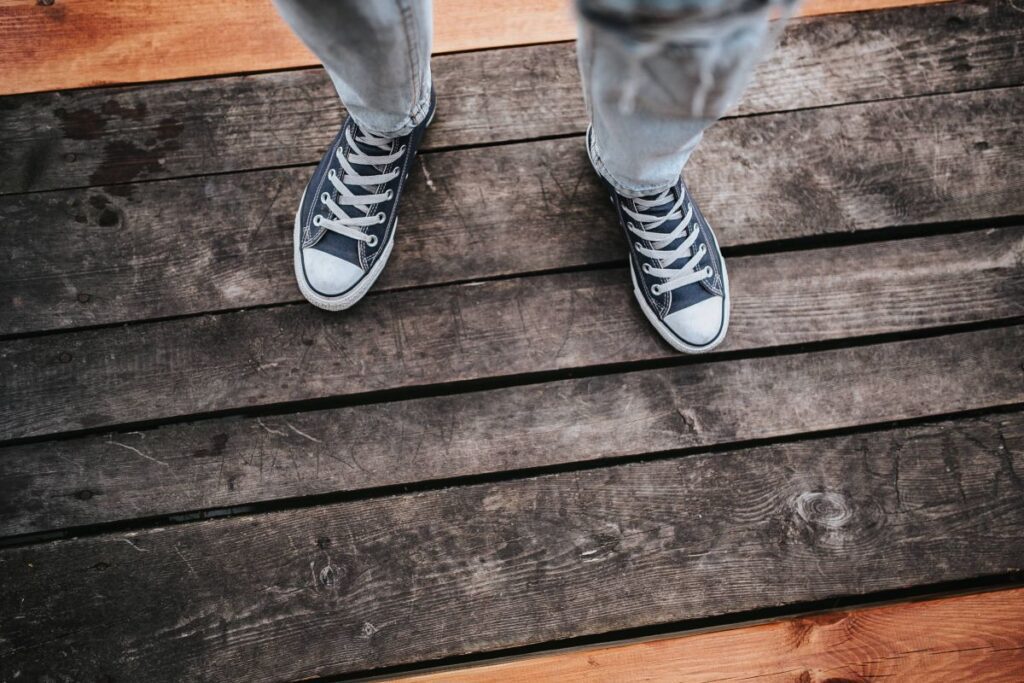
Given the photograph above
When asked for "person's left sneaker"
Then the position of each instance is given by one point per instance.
(346, 221)
(679, 277)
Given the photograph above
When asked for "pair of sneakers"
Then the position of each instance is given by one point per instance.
(345, 230)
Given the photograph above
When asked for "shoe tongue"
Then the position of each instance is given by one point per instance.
(662, 209)
(366, 169)
(668, 226)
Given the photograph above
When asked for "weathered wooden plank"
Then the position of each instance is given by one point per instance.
(113, 135)
(385, 581)
(968, 637)
(137, 41)
(421, 337)
(236, 461)
(204, 244)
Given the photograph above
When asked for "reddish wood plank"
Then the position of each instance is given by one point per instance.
(965, 638)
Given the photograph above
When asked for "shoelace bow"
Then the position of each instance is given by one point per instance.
(674, 277)
(351, 224)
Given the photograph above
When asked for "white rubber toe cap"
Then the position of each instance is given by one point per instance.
(329, 274)
(698, 324)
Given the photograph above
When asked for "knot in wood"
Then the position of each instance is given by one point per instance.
(826, 509)
(330, 575)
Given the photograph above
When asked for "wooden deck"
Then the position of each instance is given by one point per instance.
(204, 478)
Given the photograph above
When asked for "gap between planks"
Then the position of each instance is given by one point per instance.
(140, 40)
(976, 637)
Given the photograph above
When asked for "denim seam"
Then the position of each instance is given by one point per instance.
(420, 91)
(412, 54)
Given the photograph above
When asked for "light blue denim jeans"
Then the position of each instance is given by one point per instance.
(656, 73)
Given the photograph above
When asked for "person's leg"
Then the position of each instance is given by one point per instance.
(656, 74)
(376, 53)
(378, 56)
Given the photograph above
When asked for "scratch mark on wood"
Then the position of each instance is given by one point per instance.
(184, 559)
(137, 451)
(132, 544)
(272, 431)
(302, 433)
(426, 176)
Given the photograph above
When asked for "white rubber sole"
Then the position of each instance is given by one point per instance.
(670, 336)
(353, 295)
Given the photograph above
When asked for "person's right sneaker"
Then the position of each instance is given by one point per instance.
(346, 221)
(679, 277)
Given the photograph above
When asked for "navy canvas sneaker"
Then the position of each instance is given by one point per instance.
(345, 225)
(678, 273)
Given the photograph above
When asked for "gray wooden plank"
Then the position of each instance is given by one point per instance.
(204, 244)
(236, 461)
(104, 377)
(113, 135)
(393, 580)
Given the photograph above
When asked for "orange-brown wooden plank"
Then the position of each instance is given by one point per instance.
(966, 638)
(76, 43)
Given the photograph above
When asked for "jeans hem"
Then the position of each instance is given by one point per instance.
(419, 113)
(631, 190)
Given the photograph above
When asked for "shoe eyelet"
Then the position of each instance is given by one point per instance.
(324, 197)
(636, 245)
(372, 242)
(656, 290)
(390, 194)
(646, 268)
(332, 174)
(317, 220)
(708, 272)
(381, 217)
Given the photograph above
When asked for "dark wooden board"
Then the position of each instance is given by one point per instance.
(960, 638)
(226, 462)
(392, 580)
(98, 378)
(113, 135)
(203, 244)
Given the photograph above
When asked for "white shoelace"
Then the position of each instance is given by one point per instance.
(340, 221)
(673, 278)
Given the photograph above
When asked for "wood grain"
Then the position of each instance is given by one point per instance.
(128, 41)
(422, 337)
(236, 461)
(970, 637)
(114, 135)
(392, 580)
(194, 245)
